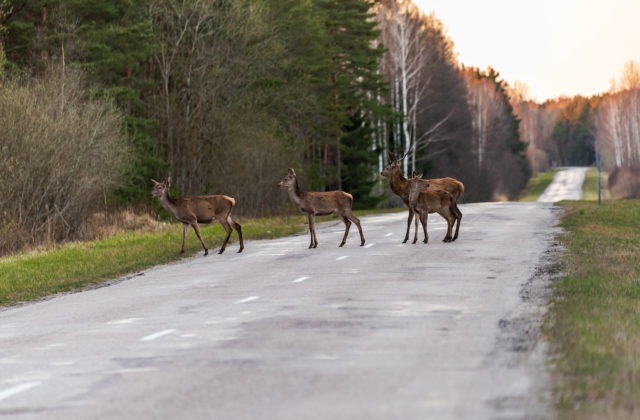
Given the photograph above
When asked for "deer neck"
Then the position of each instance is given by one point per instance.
(399, 184)
(295, 193)
(168, 203)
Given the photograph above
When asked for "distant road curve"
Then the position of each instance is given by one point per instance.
(566, 185)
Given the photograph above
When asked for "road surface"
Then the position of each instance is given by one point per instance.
(389, 330)
(280, 331)
(566, 185)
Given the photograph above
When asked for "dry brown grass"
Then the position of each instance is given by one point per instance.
(102, 225)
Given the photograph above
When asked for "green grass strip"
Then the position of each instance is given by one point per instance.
(590, 186)
(594, 321)
(29, 276)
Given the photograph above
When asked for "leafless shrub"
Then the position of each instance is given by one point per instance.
(624, 183)
(60, 153)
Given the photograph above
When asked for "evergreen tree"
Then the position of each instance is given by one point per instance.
(356, 85)
(574, 132)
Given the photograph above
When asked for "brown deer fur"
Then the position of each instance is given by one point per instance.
(199, 209)
(433, 200)
(320, 204)
(400, 186)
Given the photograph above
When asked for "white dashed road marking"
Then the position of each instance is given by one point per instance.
(300, 279)
(17, 389)
(249, 299)
(157, 335)
(342, 258)
(123, 321)
(369, 245)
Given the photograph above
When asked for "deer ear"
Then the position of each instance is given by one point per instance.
(418, 176)
(154, 181)
(168, 180)
(413, 174)
(291, 171)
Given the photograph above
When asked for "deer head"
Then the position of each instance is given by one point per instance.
(391, 166)
(289, 180)
(160, 188)
(394, 163)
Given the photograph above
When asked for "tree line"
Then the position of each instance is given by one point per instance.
(572, 131)
(224, 95)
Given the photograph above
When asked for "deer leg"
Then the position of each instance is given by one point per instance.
(458, 214)
(227, 229)
(312, 231)
(238, 229)
(447, 217)
(355, 220)
(347, 224)
(196, 228)
(185, 229)
(423, 220)
(406, 237)
(415, 236)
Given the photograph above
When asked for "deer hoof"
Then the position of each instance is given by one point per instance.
(341, 245)
(221, 251)
(206, 252)
(362, 243)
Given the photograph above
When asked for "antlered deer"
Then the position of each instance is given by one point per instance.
(433, 200)
(199, 209)
(321, 204)
(400, 187)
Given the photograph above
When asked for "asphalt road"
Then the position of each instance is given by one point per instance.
(280, 331)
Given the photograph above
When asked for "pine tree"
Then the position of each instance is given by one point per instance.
(356, 85)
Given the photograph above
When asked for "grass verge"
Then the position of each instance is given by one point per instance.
(30, 276)
(537, 185)
(594, 321)
(590, 186)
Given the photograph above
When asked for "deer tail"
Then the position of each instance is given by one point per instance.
(231, 200)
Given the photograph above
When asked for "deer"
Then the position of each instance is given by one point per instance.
(433, 200)
(321, 204)
(400, 186)
(199, 209)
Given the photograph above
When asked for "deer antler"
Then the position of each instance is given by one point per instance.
(405, 155)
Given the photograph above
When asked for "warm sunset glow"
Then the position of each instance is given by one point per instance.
(565, 47)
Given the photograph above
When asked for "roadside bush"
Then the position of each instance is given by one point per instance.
(624, 183)
(60, 154)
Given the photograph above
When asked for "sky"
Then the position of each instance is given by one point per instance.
(556, 47)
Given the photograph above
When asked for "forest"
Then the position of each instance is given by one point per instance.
(99, 97)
